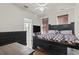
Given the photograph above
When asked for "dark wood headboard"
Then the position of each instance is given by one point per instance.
(11, 37)
(62, 27)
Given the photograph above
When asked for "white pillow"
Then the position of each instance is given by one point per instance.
(66, 32)
(53, 31)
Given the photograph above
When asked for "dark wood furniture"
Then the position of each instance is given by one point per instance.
(62, 27)
(11, 37)
(55, 48)
(51, 48)
(36, 28)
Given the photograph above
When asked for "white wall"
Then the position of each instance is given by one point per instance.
(75, 51)
(53, 15)
(77, 20)
(12, 18)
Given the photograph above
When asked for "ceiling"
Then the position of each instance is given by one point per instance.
(51, 7)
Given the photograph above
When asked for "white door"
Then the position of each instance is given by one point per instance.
(28, 28)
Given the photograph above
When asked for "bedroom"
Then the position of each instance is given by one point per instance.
(14, 16)
(67, 13)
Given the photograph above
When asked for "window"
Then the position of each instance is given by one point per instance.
(45, 25)
(63, 19)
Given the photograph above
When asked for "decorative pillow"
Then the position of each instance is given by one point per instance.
(38, 33)
(53, 31)
(70, 37)
(40, 36)
(66, 32)
(47, 36)
(33, 34)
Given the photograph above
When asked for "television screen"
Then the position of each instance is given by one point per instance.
(36, 28)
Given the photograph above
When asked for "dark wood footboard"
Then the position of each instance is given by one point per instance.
(56, 48)
(50, 48)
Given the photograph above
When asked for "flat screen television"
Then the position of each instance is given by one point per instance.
(36, 28)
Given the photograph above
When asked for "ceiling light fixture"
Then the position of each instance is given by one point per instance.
(41, 6)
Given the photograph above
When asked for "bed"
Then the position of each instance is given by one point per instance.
(57, 43)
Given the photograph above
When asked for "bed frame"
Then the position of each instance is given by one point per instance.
(63, 27)
(54, 48)
(13, 36)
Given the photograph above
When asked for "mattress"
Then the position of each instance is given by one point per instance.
(15, 49)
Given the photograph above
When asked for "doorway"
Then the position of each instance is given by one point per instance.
(28, 29)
